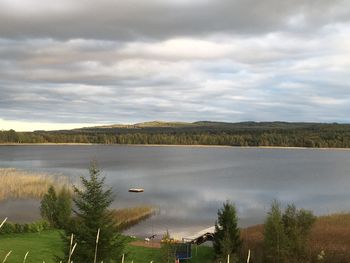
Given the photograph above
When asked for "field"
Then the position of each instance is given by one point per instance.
(17, 184)
(330, 234)
(46, 245)
(41, 246)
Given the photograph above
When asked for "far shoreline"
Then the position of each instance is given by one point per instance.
(176, 145)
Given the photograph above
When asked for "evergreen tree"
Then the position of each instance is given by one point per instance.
(92, 214)
(227, 239)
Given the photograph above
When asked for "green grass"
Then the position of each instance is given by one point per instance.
(134, 254)
(45, 245)
(41, 246)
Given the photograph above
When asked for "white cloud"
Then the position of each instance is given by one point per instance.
(297, 71)
(32, 126)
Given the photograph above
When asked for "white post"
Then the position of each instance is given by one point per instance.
(97, 238)
(228, 258)
(123, 258)
(248, 256)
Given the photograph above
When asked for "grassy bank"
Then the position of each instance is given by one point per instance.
(127, 217)
(17, 184)
(48, 244)
(330, 234)
(41, 246)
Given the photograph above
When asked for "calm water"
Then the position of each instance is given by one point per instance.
(189, 184)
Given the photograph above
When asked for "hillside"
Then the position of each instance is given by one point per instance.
(330, 234)
(281, 134)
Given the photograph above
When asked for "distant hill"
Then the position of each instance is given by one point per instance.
(281, 134)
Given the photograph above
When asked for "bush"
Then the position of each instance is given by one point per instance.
(34, 227)
(8, 228)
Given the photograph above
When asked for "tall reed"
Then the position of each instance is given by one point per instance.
(18, 184)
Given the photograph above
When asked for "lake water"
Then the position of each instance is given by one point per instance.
(189, 184)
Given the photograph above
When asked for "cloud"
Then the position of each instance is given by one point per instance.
(154, 19)
(113, 62)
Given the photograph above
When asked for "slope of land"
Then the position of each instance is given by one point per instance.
(330, 234)
(277, 134)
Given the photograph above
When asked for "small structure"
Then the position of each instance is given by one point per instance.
(201, 237)
(183, 251)
(136, 190)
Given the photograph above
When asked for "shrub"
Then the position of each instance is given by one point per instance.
(7, 228)
(34, 227)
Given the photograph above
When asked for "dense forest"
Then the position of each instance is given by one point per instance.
(198, 133)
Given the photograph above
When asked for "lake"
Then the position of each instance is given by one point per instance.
(189, 184)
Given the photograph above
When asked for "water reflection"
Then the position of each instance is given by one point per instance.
(189, 184)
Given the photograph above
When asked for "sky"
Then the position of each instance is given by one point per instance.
(67, 64)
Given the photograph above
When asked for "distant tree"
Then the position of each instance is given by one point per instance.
(56, 208)
(285, 235)
(92, 214)
(275, 240)
(297, 226)
(227, 239)
(48, 206)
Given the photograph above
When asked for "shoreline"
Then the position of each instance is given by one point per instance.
(176, 145)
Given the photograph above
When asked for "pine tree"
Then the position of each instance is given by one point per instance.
(227, 239)
(92, 214)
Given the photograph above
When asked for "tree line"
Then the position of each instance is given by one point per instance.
(250, 134)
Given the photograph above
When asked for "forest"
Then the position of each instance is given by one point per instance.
(277, 134)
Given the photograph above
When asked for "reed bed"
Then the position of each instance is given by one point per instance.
(18, 184)
(127, 217)
(330, 234)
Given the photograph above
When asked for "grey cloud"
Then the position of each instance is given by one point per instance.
(165, 19)
(106, 62)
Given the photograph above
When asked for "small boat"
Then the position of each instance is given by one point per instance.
(136, 190)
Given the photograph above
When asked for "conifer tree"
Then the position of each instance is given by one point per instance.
(92, 214)
(227, 239)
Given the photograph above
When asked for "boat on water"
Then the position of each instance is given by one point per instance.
(136, 190)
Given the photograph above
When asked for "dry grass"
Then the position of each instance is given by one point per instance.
(17, 184)
(128, 217)
(330, 233)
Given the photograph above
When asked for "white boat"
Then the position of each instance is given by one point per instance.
(136, 190)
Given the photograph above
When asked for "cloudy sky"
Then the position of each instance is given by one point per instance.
(67, 63)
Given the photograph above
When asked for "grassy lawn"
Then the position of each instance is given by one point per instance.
(41, 246)
(44, 246)
(202, 254)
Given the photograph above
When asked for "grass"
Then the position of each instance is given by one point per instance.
(134, 254)
(41, 246)
(17, 184)
(45, 245)
(127, 217)
(330, 233)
